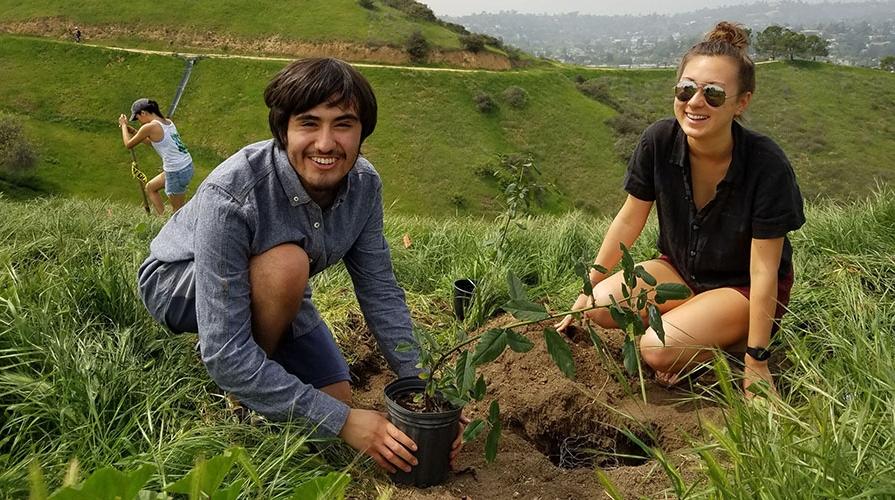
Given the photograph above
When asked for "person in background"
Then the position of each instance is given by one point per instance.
(160, 133)
(726, 197)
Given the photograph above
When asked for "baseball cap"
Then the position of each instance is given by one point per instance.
(138, 105)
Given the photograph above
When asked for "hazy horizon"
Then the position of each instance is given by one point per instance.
(598, 7)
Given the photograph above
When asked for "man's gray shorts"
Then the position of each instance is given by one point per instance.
(168, 290)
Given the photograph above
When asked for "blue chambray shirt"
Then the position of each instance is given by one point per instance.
(250, 203)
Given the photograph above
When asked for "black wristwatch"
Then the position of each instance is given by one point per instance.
(758, 353)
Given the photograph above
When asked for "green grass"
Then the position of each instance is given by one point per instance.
(85, 373)
(431, 140)
(307, 20)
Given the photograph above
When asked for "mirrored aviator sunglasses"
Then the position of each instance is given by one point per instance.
(713, 94)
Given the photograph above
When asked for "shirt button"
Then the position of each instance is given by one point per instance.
(693, 277)
(295, 199)
(316, 225)
(696, 227)
(692, 252)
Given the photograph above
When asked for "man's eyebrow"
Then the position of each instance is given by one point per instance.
(347, 116)
(307, 116)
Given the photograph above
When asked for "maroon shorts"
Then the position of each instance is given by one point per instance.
(784, 286)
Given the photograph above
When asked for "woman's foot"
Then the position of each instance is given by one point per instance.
(668, 379)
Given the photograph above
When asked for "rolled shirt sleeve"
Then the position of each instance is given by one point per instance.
(234, 360)
(382, 301)
(639, 180)
(778, 206)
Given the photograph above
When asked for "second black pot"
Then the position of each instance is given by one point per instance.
(433, 434)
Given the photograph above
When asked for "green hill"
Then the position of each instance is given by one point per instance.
(432, 146)
(298, 28)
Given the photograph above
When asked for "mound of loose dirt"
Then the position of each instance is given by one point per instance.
(557, 431)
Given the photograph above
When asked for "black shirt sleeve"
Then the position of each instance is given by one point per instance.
(639, 180)
(778, 207)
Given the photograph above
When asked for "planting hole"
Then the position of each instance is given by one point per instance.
(606, 450)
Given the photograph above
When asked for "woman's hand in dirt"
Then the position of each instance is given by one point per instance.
(371, 433)
(458, 443)
(583, 302)
(754, 372)
(122, 120)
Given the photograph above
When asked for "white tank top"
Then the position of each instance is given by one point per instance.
(175, 155)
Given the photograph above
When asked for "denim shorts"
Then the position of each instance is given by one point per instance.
(177, 182)
(168, 290)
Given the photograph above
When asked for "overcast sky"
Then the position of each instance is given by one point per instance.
(598, 7)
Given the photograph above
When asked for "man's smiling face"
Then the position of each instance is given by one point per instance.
(322, 144)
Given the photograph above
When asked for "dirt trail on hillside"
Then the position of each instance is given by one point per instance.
(230, 46)
(556, 430)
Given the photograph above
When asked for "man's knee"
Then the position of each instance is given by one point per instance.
(284, 269)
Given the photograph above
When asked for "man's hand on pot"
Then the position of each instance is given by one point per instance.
(458, 443)
(371, 433)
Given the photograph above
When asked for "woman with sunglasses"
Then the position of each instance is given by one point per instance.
(725, 197)
(160, 133)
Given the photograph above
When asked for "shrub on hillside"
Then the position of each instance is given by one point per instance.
(17, 154)
(413, 9)
(598, 89)
(367, 4)
(515, 96)
(484, 102)
(417, 47)
(472, 42)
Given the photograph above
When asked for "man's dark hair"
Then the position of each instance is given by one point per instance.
(307, 83)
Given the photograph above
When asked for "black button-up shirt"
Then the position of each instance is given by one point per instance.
(758, 198)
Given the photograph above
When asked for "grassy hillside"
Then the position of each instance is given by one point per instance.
(432, 143)
(429, 141)
(85, 373)
(833, 122)
(304, 20)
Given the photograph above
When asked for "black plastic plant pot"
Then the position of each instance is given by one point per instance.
(463, 292)
(433, 434)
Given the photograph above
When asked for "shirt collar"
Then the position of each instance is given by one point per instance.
(680, 151)
(292, 184)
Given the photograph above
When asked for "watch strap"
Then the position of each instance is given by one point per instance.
(758, 353)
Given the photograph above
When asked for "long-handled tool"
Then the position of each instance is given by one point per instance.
(141, 180)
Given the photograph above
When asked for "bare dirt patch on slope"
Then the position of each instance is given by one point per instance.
(558, 431)
(182, 40)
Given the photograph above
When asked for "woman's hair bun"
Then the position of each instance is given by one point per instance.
(732, 33)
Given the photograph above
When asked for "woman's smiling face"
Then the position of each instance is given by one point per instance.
(699, 120)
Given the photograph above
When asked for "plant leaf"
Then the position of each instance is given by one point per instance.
(581, 272)
(519, 342)
(493, 438)
(492, 442)
(473, 430)
(628, 266)
(330, 486)
(490, 346)
(597, 341)
(494, 413)
(600, 269)
(517, 291)
(560, 352)
(525, 310)
(404, 347)
(630, 355)
(655, 321)
(478, 392)
(671, 291)
(617, 313)
(645, 276)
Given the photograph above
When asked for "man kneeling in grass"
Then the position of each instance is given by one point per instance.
(233, 264)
